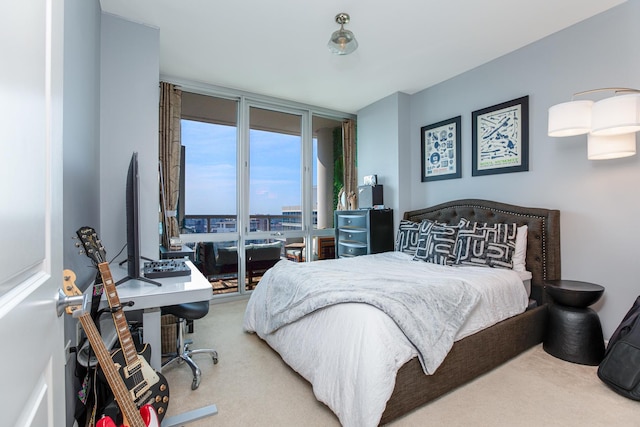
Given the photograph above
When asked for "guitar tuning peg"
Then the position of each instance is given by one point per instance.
(81, 252)
(78, 245)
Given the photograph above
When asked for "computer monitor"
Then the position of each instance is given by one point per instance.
(133, 217)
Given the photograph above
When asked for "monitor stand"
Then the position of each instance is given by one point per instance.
(140, 277)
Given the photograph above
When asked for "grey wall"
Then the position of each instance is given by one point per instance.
(598, 200)
(81, 129)
(111, 74)
(128, 122)
(382, 158)
(111, 110)
(81, 169)
(387, 121)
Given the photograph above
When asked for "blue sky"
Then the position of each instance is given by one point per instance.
(210, 170)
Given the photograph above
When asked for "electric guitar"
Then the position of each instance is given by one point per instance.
(145, 385)
(147, 416)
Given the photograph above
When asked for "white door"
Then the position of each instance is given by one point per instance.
(32, 355)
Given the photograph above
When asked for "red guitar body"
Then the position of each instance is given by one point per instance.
(147, 413)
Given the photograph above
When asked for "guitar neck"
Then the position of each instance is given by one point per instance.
(120, 391)
(122, 328)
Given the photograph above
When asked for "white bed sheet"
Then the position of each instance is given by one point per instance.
(353, 369)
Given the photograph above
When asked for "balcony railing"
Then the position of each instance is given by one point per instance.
(229, 224)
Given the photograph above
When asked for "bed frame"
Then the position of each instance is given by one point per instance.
(479, 353)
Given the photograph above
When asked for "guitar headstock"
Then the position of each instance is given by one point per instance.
(70, 289)
(91, 244)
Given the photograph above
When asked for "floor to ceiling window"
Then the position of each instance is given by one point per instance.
(209, 193)
(275, 170)
(259, 185)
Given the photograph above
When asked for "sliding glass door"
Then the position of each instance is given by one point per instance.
(260, 185)
(209, 191)
(275, 176)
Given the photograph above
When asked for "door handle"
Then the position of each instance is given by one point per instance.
(63, 301)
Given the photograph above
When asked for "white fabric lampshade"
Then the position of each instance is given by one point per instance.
(570, 118)
(610, 146)
(616, 115)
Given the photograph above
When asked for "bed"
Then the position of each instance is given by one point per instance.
(381, 386)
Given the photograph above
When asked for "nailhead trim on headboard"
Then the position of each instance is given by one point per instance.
(546, 221)
(544, 225)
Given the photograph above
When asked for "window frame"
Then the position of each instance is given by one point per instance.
(245, 101)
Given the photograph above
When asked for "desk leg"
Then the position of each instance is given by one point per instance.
(187, 417)
(151, 335)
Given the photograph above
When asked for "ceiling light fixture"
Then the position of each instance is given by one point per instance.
(611, 122)
(342, 42)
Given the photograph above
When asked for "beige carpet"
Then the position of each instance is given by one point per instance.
(251, 386)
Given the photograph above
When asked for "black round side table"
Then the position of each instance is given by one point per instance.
(574, 332)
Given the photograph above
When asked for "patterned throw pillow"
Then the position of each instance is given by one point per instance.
(436, 243)
(482, 244)
(407, 239)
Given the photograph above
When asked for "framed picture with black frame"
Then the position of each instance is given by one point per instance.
(500, 138)
(441, 150)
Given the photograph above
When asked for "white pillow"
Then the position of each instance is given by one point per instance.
(520, 253)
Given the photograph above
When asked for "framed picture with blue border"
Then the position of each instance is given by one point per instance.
(441, 150)
(500, 138)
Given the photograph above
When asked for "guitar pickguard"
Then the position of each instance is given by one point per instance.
(152, 389)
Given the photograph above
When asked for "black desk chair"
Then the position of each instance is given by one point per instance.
(183, 313)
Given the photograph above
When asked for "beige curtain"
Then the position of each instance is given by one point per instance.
(169, 149)
(350, 168)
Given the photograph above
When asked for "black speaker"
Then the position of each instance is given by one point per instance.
(369, 196)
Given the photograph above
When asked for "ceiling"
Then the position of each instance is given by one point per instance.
(278, 47)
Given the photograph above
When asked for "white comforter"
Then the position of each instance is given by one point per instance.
(351, 352)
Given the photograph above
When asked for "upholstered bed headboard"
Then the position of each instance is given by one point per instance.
(543, 239)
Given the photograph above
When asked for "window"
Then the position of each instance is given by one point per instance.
(275, 171)
(209, 136)
(257, 176)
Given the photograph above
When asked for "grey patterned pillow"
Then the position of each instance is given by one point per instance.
(436, 243)
(482, 244)
(407, 238)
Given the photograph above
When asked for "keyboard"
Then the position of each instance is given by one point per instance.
(166, 268)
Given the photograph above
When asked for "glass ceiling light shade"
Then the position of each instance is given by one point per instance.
(616, 115)
(342, 42)
(570, 118)
(610, 146)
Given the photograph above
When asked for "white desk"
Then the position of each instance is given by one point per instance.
(150, 298)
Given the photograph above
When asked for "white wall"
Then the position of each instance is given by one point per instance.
(598, 200)
(128, 122)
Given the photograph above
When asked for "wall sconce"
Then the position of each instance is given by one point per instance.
(611, 122)
(610, 146)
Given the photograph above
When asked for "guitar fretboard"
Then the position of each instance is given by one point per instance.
(126, 341)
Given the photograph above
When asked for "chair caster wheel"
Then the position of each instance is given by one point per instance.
(215, 358)
(195, 383)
